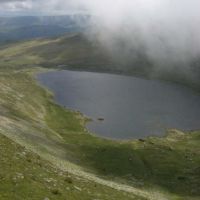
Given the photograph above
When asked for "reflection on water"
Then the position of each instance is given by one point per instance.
(125, 107)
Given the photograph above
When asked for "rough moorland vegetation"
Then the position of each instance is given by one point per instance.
(53, 140)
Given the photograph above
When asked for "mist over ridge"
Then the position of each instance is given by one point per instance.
(164, 33)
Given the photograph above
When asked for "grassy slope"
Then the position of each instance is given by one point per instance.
(72, 51)
(24, 175)
(154, 168)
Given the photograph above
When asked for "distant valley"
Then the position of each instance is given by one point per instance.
(13, 29)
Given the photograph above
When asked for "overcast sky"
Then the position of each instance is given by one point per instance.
(39, 7)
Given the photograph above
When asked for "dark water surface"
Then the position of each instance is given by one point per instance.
(131, 107)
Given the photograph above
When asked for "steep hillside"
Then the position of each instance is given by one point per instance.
(75, 51)
(25, 175)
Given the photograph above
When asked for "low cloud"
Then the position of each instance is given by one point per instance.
(163, 33)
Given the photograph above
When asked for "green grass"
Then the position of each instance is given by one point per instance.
(154, 168)
(25, 175)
